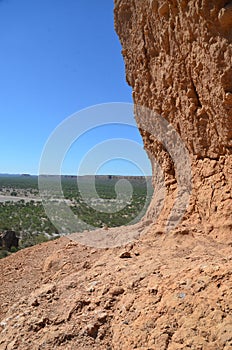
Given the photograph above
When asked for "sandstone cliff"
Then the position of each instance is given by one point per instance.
(178, 61)
(164, 291)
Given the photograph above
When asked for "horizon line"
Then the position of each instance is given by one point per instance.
(72, 175)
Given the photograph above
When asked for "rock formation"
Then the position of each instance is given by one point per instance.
(164, 291)
(178, 61)
(8, 240)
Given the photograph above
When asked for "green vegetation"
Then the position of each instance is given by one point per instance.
(19, 182)
(3, 253)
(26, 215)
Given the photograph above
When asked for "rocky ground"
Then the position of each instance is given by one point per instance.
(164, 291)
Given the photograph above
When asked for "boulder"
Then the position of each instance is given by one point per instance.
(9, 239)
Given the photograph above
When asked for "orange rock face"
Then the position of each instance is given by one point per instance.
(178, 61)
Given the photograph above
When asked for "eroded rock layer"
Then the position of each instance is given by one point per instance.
(178, 61)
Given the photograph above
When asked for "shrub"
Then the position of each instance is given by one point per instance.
(13, 249)
(3, 253)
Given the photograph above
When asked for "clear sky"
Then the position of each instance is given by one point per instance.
(56, 58)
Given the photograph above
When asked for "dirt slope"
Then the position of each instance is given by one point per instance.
(171, 293)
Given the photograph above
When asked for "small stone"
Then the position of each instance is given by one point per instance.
(153, 290)
(86, 265)
(92, 330)
(102, 316)
(125, 255)
(158, 232)
(91, 287)
(117, 291)
(71, 285)
(34, 302)
(71, 245)
(45, 291)
(109, 304)
(183, 283)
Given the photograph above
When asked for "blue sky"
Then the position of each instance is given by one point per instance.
(57, 57)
